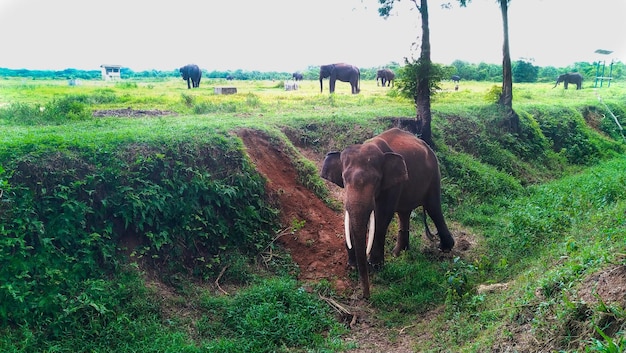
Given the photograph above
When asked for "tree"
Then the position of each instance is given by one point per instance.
(506, 97)
(525, 71)
(423, 65)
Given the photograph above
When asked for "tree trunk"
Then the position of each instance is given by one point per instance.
(506, 98)
(422, 98)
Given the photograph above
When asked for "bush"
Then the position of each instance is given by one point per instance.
(67, 212)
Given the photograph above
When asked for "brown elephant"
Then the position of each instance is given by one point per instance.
(342, 72)
(394, 172)
(386, 76)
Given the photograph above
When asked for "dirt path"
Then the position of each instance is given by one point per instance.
(318, 247)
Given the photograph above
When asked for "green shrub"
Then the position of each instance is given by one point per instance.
(67, 213)
(272, 316)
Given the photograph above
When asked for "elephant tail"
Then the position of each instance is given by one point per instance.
(358, 81)
(430, 235)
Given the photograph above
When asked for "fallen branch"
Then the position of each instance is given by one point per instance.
(217, 281)
(335, 305)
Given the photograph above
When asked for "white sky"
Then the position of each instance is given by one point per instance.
(290, 35)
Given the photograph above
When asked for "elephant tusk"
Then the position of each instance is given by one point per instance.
(370, 233)
(347, 230)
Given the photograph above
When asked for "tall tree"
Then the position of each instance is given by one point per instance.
(422, 95)
(506, 97)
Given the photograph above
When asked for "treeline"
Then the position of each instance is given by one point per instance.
(523, 71)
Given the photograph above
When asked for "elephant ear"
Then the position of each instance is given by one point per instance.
(394, 170)
(332, 168)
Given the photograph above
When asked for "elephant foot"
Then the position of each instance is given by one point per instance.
(402, 243)
(398, 249)
(374, 267)
(447, 245)
(351, 266)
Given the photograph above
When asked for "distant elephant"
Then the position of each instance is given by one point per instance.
(297, 76)
(191, 73)
(572, 77)
(385, 76)
(229, 77)
(455, 78)
(392, 172)
(342, 72)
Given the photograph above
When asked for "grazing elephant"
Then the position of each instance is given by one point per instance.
(385, 76)
(455, 78)
(191, 73)
(342, 72)
(394, 172)
(572, 77)
(297, 76)
(229, 77)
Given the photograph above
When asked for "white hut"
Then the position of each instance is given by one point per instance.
(111, 72)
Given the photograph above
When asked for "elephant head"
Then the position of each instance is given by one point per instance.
(342, 72)
(394, 172)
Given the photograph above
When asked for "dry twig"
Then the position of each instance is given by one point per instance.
(217, 281)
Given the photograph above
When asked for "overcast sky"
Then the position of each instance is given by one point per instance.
(290, 35)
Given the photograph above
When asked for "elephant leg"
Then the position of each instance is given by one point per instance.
(402, 243)
(332, 85)
(351, 258)
(433, 209)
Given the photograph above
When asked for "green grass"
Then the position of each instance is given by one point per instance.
(546, 207)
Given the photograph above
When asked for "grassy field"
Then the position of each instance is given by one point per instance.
(542, 211)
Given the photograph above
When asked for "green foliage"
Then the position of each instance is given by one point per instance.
(568, 134)
(493, 95)
(63, 209)
(58, 111)
(524, 71)
(409, 76)
(412, 285)
(273, 316)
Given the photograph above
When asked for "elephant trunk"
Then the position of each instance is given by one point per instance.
(321, 84)
(357, 224)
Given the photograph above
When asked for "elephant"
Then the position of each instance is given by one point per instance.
(455, 78)
(394, 172)
(572, 77)
(191, 73)
(342, 72)
(297, 76)
(385, 76)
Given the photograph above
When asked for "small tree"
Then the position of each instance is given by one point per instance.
(408, 82)
(524, 71)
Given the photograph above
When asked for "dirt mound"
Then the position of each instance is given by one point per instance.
(318, 247)
(608, 285)
(131, 113)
